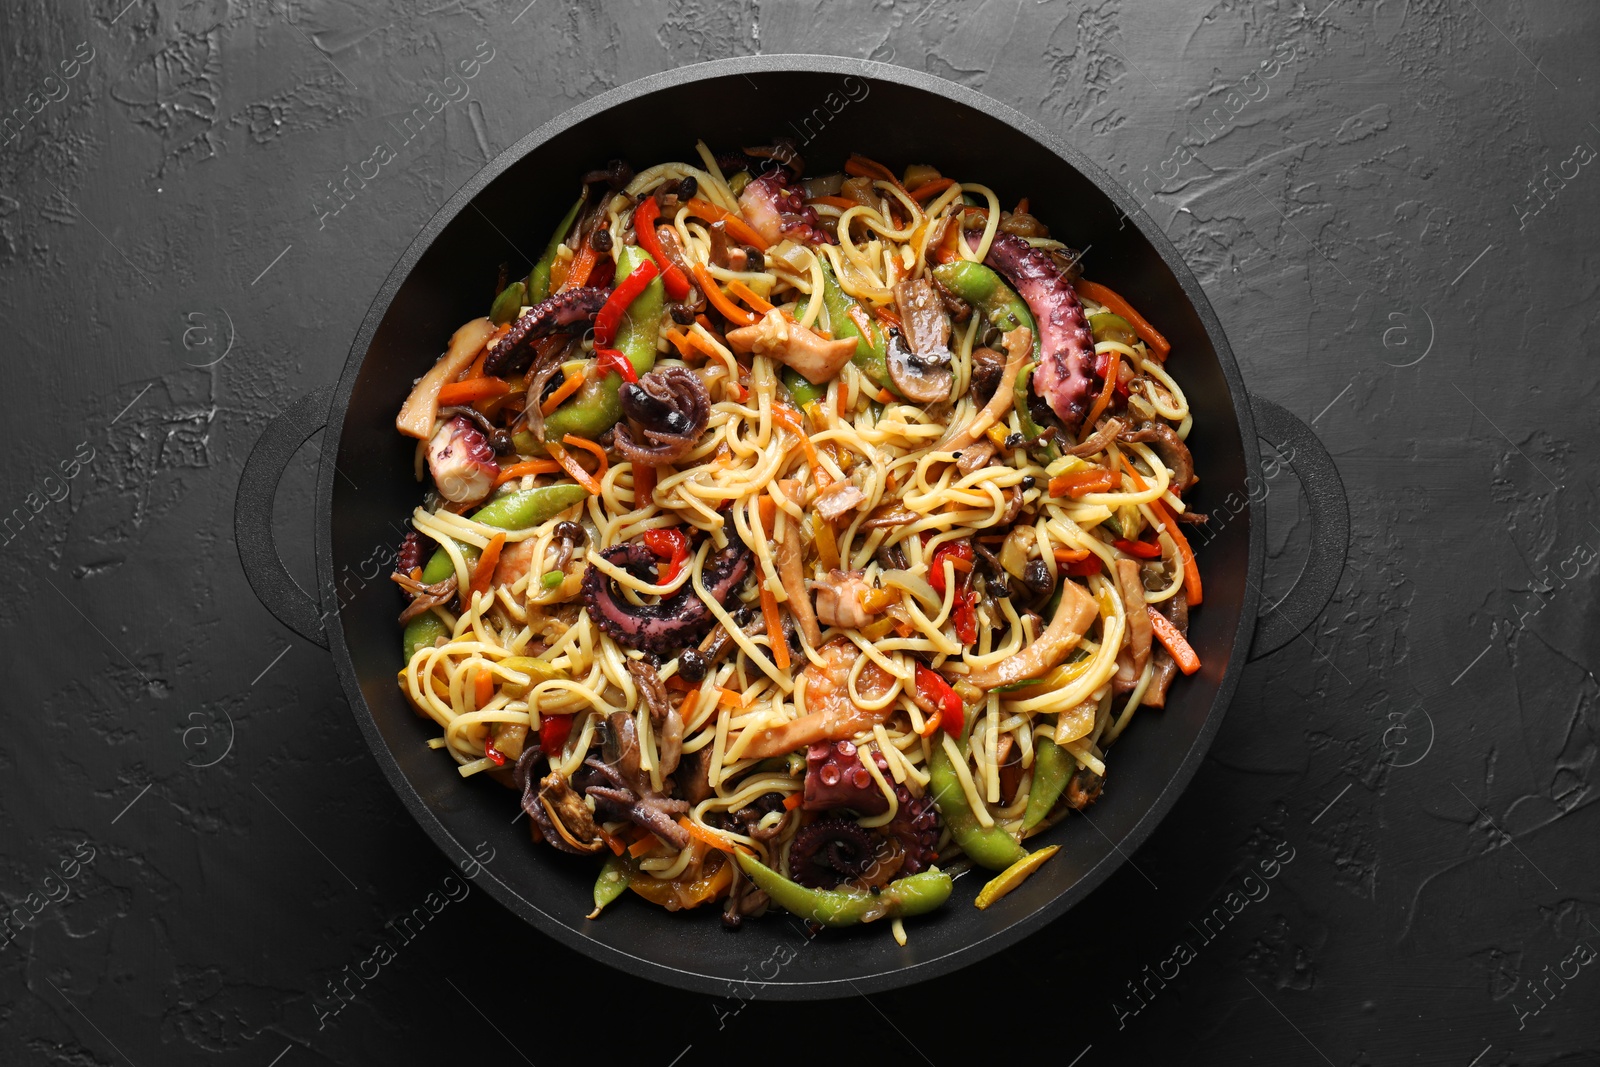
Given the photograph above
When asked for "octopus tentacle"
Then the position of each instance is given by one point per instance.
(1066, 343)
(672, 623)
(551, 315)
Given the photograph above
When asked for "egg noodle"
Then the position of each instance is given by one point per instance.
(523, 650)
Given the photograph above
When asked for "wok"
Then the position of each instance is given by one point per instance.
(831, 106)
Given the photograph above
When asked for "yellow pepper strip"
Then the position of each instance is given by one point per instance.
(1014, 875)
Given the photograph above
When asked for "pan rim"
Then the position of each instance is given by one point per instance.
(968, 952)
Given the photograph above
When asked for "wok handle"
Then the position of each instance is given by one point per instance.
(1280, 623)
(252, 515)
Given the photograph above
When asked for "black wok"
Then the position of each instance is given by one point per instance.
(832, 106)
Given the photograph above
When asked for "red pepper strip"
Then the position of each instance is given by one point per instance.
(934, 690)
(609, 359)
(1142, 549)
(965, 617)
(670, 545)
(644, 231)
(958, 552)
(496, 757)
(1083, 568)
(609, 316)
(553, 731)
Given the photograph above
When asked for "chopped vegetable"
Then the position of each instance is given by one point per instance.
(1080, 483)
(1109, 298)
(645, 217)
(737, 228)
(484, 570)
(1191, 570)
(1014, 875)
(671, 546)
(719, 300)
(472, 390)
(934, 692)
(1183, 653)
(574, 379)
(609, 317)
(539, 277)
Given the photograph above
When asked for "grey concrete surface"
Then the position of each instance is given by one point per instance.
(1392, 205)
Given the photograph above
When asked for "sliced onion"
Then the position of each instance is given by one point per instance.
(823, 185)
(915, 585)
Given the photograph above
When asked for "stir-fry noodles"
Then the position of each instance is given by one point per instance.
(790, 540)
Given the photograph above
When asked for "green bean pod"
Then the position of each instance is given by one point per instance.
(913, 895)
(872, 347)
(538, 286)
(507, 305)
(611, 884)
(595, 407)
(802, 389)
(516, 510)
(1052, 767)
(990, 847)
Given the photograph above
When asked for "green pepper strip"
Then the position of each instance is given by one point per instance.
(985, 290)
(912, 895)
(1052, 766)
(872, 347)
(989, 847)
(595, 407)
(516, 510)
(611, 884)
(539, 277)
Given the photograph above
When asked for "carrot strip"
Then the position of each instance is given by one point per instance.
(931, 726)
(769, 610)
(1071, 555)
(748, 295)
(484, 570)
(731, 699)
(643, 845)
(843, 203)
(789, 419)
(1077, 483)
(929, 190)
(710, 837)
(573, 468)
(644, 484)
(612, 843)
(1183, 653)
(483, 688)
(1106, 390)
(471, 390)
(1109, 297)
(862, 167)
(737, 228)
(719, 300)
(578, 272)
(569, 386)
(527, 466)
(704, 346)
(793, 800)
(1191, 570)
(574, 441)
(679, 341)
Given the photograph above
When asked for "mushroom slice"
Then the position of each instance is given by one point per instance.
(920, 380)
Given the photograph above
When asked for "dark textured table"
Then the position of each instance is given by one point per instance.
(1392, 207)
